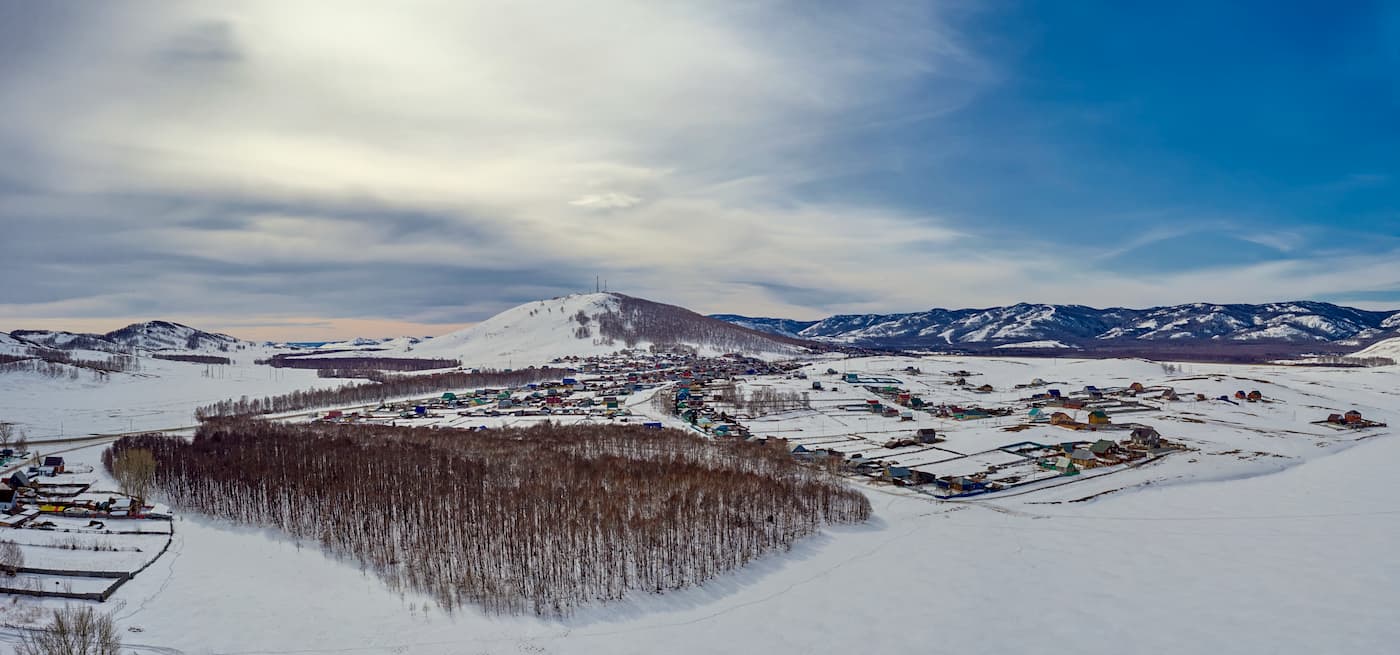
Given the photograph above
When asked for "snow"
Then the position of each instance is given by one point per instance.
(1049, 343)
(1273, 536)
(163, 394)
(1388, 348)
(537, 332)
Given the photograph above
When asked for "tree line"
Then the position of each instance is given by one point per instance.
(538, 520)
(359, 363)
(393, 386)
(194, 359)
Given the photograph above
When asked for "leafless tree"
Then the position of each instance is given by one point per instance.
(135, 471)
(73, 631)
(11, 557)
(528, 520)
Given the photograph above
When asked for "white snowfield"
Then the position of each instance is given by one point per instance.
(1388, 348)
(1272, 535)
(163, 394)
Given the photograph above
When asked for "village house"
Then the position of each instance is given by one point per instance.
(1145, 437)
(1061, 418)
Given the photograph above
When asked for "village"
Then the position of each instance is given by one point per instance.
(66, 534)
(944, 434)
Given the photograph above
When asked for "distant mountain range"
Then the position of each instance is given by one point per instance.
(149, 336)
(598, 323)
(1289, 326)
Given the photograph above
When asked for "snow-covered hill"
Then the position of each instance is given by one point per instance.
(1292, 322)
(1389, 348)
(164, 335)
(597, 324)
(148, 336)
(395, 344)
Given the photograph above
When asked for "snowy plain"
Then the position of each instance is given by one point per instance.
(1274, 535)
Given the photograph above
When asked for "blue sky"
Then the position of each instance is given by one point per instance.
(329, 169)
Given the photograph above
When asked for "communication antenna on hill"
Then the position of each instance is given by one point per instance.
(596, 288)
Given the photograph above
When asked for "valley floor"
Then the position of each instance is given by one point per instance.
(1272, 536)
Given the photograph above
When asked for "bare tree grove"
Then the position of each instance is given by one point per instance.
(390, 386)
(538, 520)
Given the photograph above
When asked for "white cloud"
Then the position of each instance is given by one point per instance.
(668, 146)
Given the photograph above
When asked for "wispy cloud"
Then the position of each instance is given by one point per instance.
(433, 162)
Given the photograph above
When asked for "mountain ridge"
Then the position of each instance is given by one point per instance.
(1081, 326)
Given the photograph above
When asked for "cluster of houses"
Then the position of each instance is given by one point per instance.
(48, 487)
(1350, 420)
(597, 386)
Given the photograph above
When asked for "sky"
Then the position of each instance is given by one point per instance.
(316, 170)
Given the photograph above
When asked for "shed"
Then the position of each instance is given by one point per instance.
(1352, 417)
(1254, 396)
(56, 463)
(893, 473)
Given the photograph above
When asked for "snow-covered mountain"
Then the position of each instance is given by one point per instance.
(782, 326)
(164, 335)
(1078, 325)
(148, 336)
(597, 324)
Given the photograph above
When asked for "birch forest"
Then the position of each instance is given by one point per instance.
(541, 520)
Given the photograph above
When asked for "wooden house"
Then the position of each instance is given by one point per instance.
(1061, 418)
(1103, 447)
(1254, 396)
(1146, 437)
(1352, 417)
(1098, 417)
(56, 463)
(1083, 458)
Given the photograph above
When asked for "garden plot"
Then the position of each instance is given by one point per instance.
(124, 553)
(57, 585)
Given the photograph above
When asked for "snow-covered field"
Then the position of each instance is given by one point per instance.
(163, 394)
(1273, 535)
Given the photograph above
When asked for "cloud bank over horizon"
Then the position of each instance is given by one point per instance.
(319, 169)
